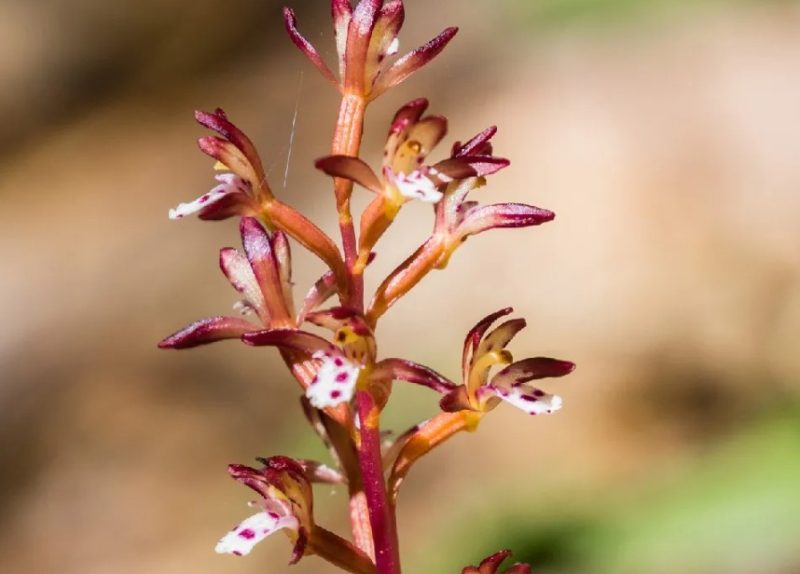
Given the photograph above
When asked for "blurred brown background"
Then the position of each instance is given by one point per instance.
(664, 135)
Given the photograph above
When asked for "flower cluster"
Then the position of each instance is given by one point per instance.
(344, 380)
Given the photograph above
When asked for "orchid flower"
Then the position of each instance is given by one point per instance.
(366, 38)
(243, 185)
(339, 364)
(482, 393)
(456, 219)
(405, 176)
(243, 190)
(286, 504)
(262, 275)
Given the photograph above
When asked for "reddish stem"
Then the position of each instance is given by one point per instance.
(381, 512)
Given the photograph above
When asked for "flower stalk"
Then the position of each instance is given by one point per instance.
(344, 381)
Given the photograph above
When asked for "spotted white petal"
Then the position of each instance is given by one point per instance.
(228, 183)
(416, 185)
(527, 398)
(335, 382)
(241, 540)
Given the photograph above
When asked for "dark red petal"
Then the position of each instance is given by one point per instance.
(474, 336)
(412, 62)
(231, 205)
(533, 368)
(258, 248)
(403, 370)
(299, 549)
(502, 215)
(283, 260)
(306, 47)
(289, 339)
(351, 168)
(471, 166)
(219, 123)
(408, 114)
(207, 331)
(479, 145)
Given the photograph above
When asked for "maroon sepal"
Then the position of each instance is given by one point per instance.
(288, 339)
(501, 215)
(403, 370)
(412, 62)
(218, 122)
(229, 206)
(207, 331)
(300, 545)
(479, 145)
(533, 368)
(471, 166)
(307, 47)
(351, 168)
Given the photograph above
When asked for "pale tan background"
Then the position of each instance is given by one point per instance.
(664, 135)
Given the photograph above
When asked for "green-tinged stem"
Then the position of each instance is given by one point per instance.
(428, 436)
(381, 511)
(347, 141)
(340, 552)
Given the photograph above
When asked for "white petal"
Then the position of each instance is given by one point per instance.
(393, 47)
(416, 185)
(251, 531)
(335, 382)
(229, 183)
(527, 398)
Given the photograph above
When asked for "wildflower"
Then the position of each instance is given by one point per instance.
(484, 351)
(456, 219)
(286, 504)
(243, 186)
(339, 365)
(405, 176)
(491, 565)
(366, 38)
(243, 191)
(261, 275)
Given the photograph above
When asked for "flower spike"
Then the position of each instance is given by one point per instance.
(346, 387)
